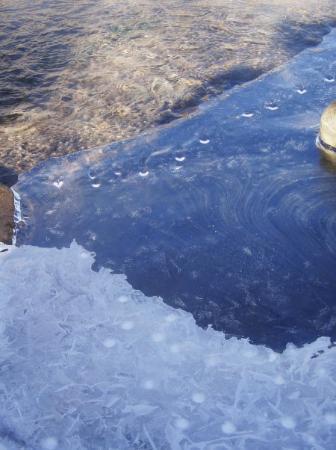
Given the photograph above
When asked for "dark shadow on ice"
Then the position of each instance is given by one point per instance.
(215, 85)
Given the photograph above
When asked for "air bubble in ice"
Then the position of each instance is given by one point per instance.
(288, 422)
(170, 318)
(279, 380)
(204, 141)
(198, 397)
(301, 91)
(144, 173)
(182, 423)
(330, 418)
(158, 337)
(271, 106)
(95, 185)
(248, 115)
(272, 357)
(329, 79)
(175, 348)
(180, 158)
(148, 384)
(128, 325)
(109, 343)
(228, 427)
(123, 299)
(58, 184)
(49, 443)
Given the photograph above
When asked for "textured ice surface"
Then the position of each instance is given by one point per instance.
(87, 362)
(230, 215)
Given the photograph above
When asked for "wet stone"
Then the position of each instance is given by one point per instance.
(6, 215)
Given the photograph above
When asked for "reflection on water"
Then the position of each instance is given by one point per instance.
(81, 74)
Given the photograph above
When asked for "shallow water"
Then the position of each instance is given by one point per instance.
(80, 74)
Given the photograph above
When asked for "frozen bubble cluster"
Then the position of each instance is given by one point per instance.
(87, 362)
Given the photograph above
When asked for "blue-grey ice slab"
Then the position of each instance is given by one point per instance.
(230, 215)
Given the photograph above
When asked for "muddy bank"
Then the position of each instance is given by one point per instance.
(79, 75)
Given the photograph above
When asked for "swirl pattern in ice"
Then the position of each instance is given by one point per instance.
(230, 215)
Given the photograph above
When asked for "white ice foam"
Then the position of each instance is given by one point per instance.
(81, 369)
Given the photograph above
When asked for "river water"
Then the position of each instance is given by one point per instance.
(81, 74)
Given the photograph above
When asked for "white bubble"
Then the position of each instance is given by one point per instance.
(144, 173)
(148, 384)
(247, 114)
(329, 79)
(128, 325)
(288, 422)
(58, 184)
(170, 318)
(279, 380)
(330, 418)
(117, 173)
(271, 107)
(180, 158)
(49, 443)
(123, 299)
(228, 427)
(204, 141)
(95, 185)
(109, 343)
(175, 348)
(198, 397)
(272, 357)
(182, 423)
(158, 337)
(301, 91)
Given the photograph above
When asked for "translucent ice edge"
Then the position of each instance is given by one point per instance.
(87, 362)
(17, 214)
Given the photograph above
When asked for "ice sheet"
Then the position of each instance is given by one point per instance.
(230, 215)
(87, 362)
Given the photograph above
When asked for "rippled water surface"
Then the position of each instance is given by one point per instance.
(80, 74)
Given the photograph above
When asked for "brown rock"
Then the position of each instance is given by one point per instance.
(6, 215)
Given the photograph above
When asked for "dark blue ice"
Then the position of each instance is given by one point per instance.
(230, 215)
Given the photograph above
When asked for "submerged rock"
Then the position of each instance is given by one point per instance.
(6, 214)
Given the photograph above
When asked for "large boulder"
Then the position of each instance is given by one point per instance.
(6, 215)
